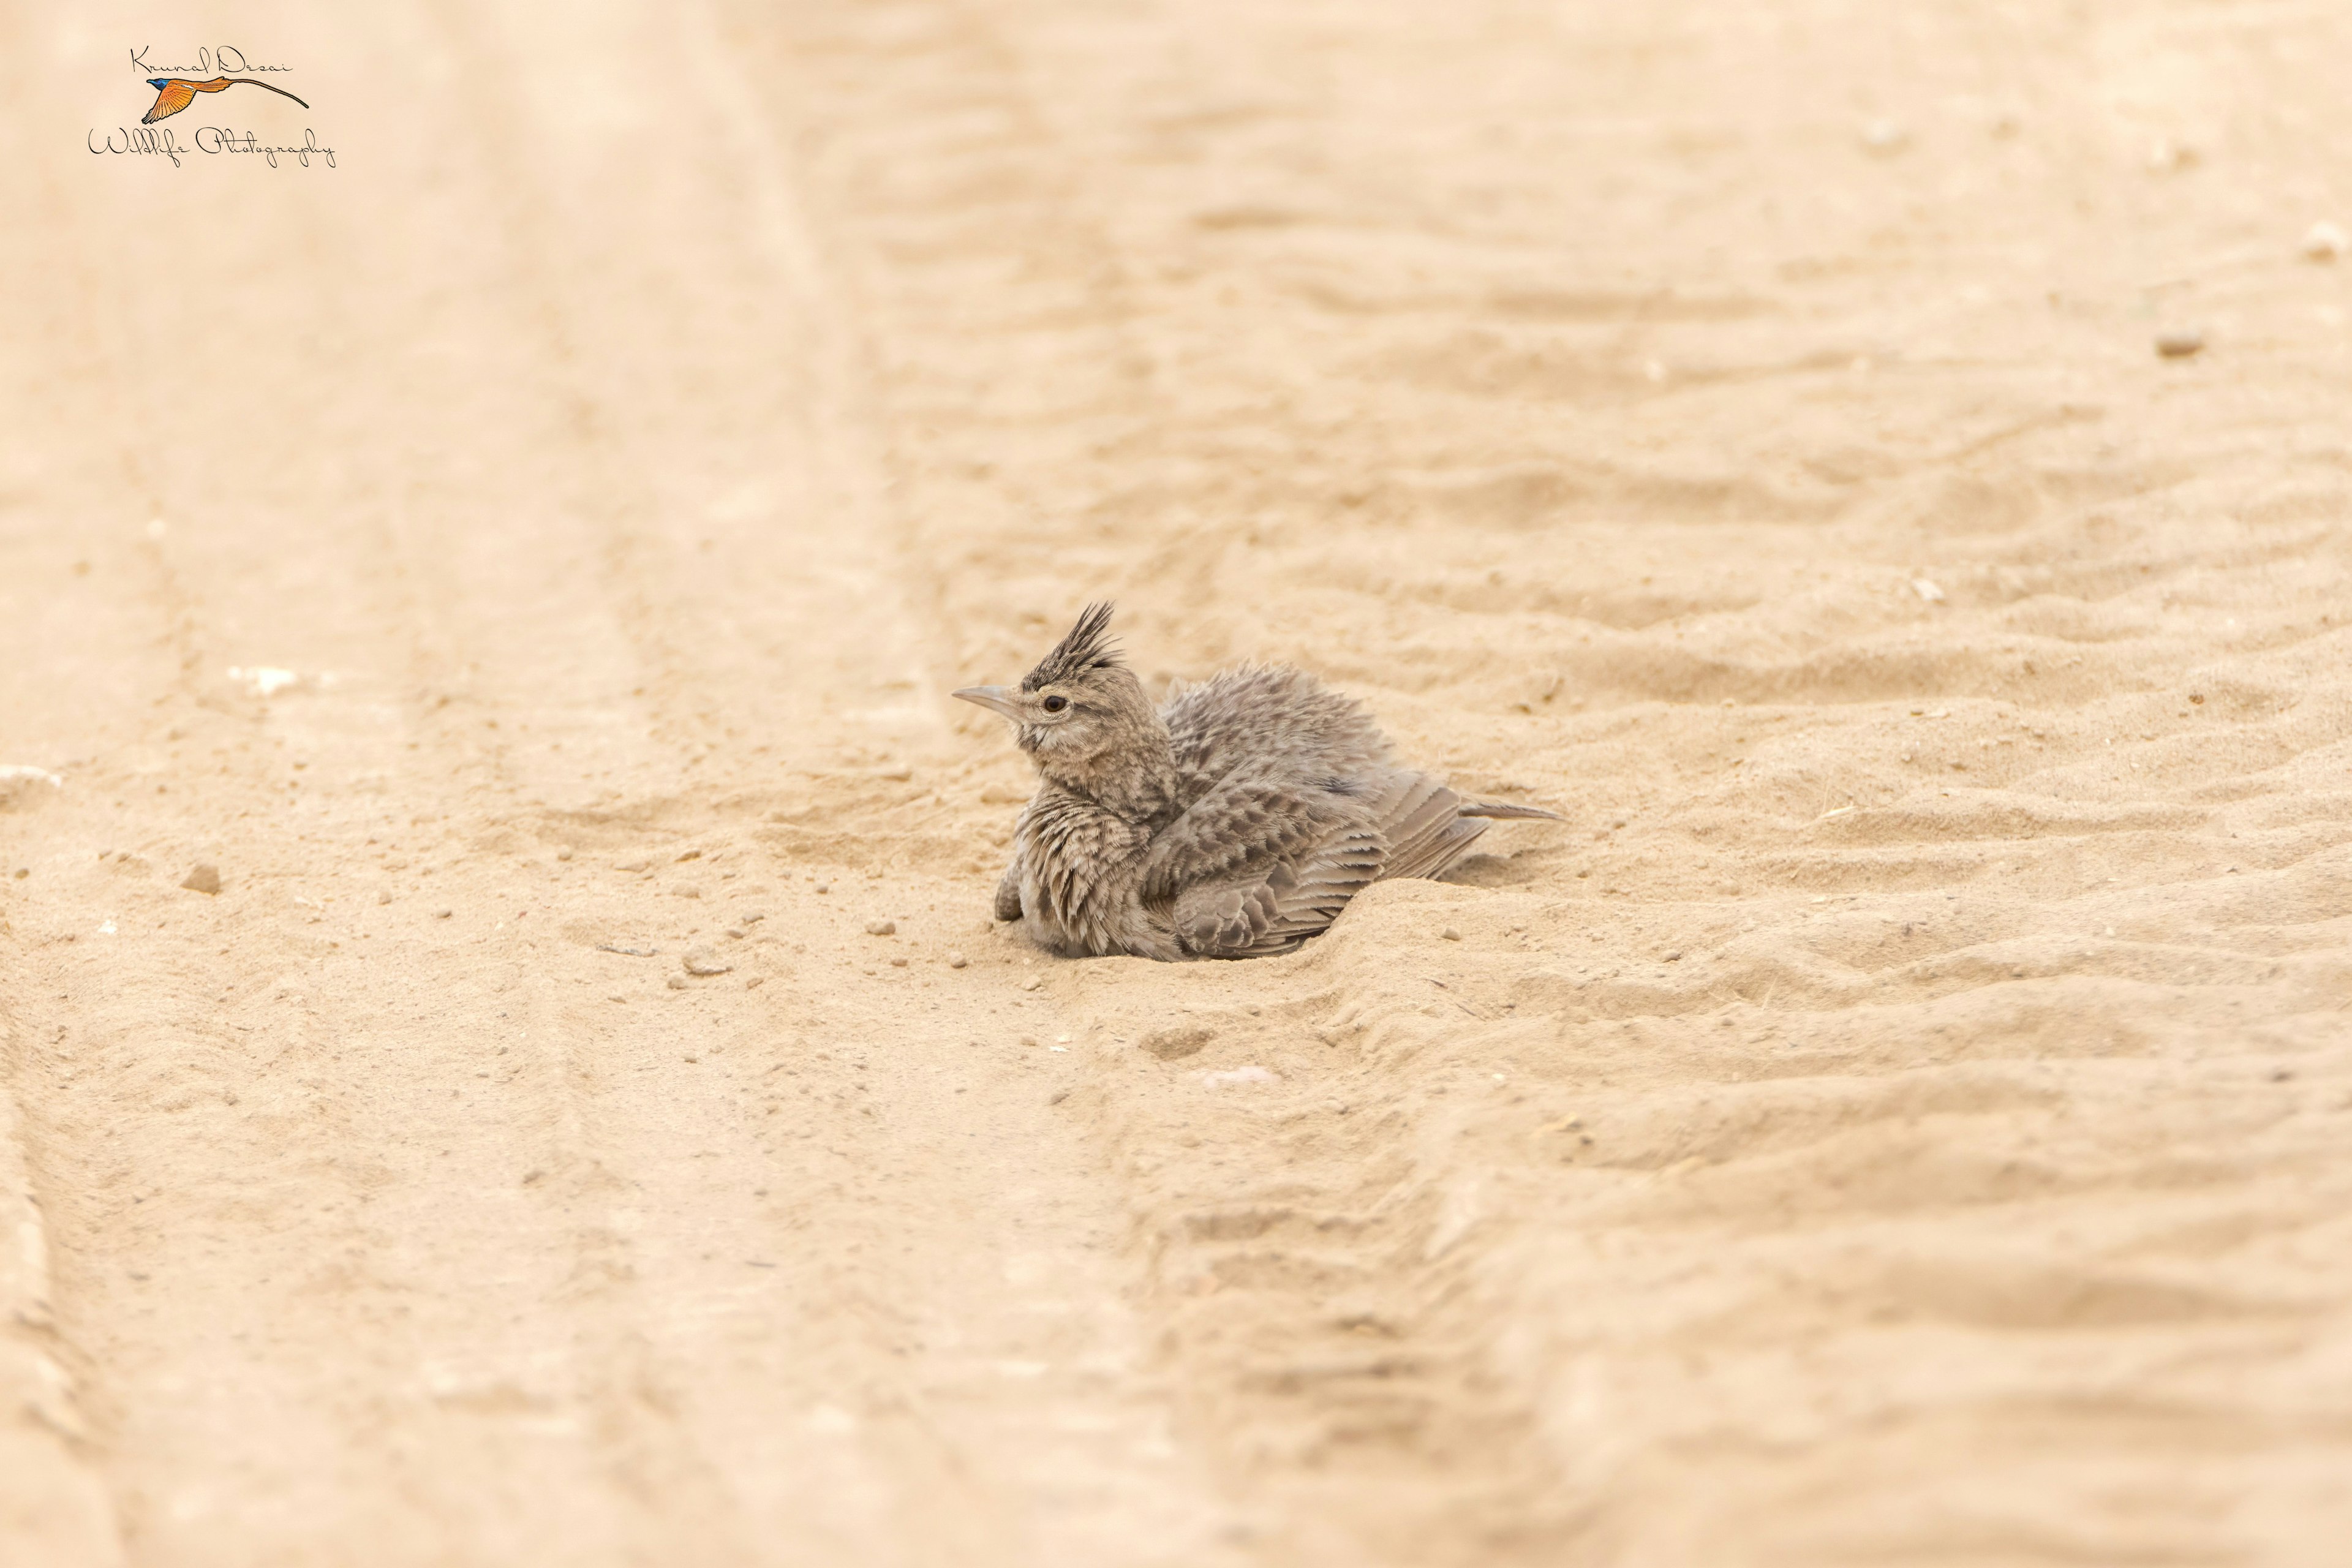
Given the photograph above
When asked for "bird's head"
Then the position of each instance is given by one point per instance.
(159, 82)
(1081, 715)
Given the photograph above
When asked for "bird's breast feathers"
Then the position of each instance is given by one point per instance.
(1078, 865)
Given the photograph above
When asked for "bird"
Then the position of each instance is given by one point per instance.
(174, 93)
(1235, 820)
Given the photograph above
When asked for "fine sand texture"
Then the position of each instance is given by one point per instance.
(1902, 1116)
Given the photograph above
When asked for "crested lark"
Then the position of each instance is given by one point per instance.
(1235, 821)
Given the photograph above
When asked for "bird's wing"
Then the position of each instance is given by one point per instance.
(1256, 865)
(1420, 821)
(1252, 915)
(1267, 875)
(176, 95)
(1241, 826)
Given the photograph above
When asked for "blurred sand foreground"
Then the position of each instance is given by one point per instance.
(1904, 1116)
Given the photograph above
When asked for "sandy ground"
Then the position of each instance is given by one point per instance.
(1905, 1115)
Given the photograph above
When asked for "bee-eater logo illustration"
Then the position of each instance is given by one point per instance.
(175, 93)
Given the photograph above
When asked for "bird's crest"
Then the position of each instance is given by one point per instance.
(1086, 647)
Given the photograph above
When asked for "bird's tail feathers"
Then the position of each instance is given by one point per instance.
(1502, 809)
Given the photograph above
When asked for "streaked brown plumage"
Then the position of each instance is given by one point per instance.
(1235, 821)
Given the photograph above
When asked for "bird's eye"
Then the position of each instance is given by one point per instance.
(1056, 704)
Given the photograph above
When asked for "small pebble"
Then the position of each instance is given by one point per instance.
(563, 852)
(2179, 343)
(753, 984)
(824, 886)
(676, 982)
(1933, 593)
(898, 963)
(383, 895)
(737, 932)
(1059, 1096)
(1032, 983)
(204, 879)
(633, 866)
(957, 960)
(443, 914)
(881, 928)
(1450, 934)
(1028, 1039)
(702, 961)
(2326, 242)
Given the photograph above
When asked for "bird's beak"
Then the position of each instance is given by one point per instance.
(996, 699)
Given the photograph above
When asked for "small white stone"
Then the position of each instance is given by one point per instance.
(881, 928)
(957, 960)
(263, 681)
(2326, 242)
(1931, 592)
